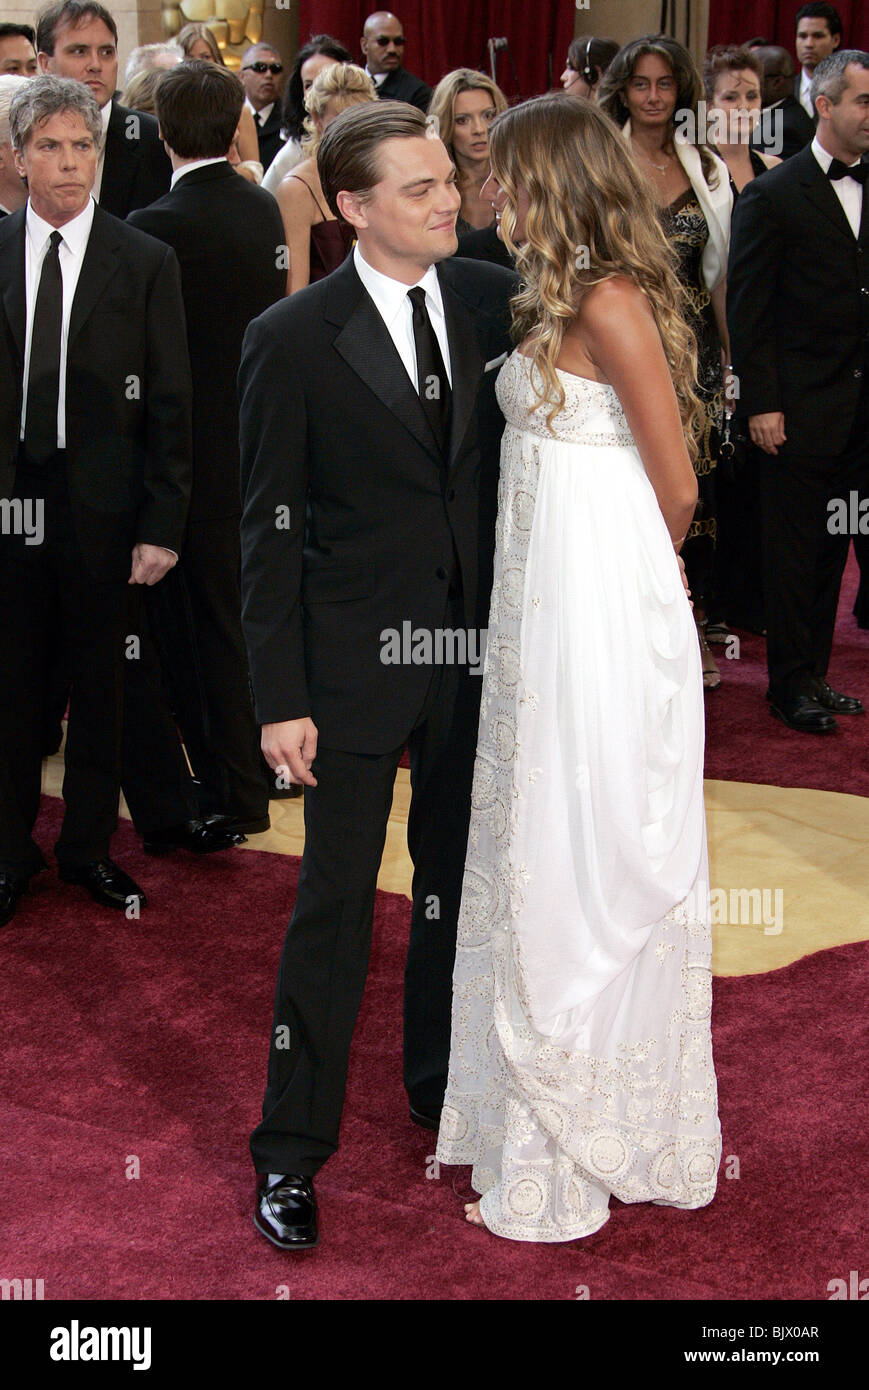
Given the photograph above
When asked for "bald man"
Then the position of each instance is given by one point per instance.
(784, 128)
(383, 44)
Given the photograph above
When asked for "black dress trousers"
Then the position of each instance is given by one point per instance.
(325, 955)
(803, 559)
(51, 602)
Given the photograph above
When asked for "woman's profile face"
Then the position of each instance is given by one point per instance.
(473, 113)
(574, 83)
(737, 97)
(650, 93)
(501, 201)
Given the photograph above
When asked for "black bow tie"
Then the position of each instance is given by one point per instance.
(838, 170)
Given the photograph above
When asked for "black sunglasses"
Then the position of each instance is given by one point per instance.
(274, 68)
(384, 42)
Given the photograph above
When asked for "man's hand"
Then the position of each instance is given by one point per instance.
(291, 746)
(150, 563)
(767, 431)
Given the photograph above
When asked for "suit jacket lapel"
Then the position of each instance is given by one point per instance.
(466, 362)
(98, 267)
(119, 166)
(820, 193)
(366, 346)
(12, 276)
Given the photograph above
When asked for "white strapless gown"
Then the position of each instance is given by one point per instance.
(581, 1059)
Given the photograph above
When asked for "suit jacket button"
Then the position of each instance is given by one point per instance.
(440, 572)
(451, 495)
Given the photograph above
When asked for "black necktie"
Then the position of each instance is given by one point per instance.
(838, 170)
(433, 382)
(43, 380)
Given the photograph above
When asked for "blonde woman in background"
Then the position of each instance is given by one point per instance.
(197, 41)
(318, 241)
(465, 104)
(581, 1057)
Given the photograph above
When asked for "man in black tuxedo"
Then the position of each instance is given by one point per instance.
(79, 39)
(213, 219)
(94, 477)
(798, 312)
(817, 35)
(383, 44)
(261, 70)
(381, 447)
(784, 127)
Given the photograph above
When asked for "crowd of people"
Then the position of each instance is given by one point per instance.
(249, 330)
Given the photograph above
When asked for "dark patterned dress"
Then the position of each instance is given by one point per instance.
(686, 230)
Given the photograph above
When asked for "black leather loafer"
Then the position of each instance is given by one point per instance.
(803, 714)
(11, 888)
(236, 825)
(107, 884)
(197, 836)
(285, 1211)
(428, 1119)
(832, 700)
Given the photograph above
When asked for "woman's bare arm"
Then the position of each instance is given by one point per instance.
(621, 338)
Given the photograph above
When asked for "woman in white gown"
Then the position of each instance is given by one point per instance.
(581, 1060)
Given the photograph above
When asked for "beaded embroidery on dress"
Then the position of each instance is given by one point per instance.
(581, 1058)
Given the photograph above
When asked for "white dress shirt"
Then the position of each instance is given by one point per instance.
(195, 164)
(396, 310)
(377, 77)
(260, 117)
(847, 190)
(105, 114)
(71, 252)
(806, 93)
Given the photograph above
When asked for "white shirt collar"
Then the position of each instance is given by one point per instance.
(264, 113)
(74, 233)
(195, 164)
(824, 158)
(390, 295)
(377, 77)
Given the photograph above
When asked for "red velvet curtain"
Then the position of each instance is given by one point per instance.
(442, 35)
(734, 21)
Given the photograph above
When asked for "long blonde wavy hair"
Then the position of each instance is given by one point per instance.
(589, 202)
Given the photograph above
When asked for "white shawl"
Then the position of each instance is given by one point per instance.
(716, 204)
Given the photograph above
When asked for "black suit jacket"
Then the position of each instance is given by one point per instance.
(269, 136)
(403, 86)
(798, 304)
(797, 129)
(227, 235)
(127, 391)
(333, 430)
(136, 168)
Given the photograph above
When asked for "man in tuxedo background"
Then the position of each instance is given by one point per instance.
(798, 312)
(818, 34)
(94, 464)
(381, 445)
(212, 218)
(383, 45)
(79, 39)
(13, 191)
(261, 70)
(17, 54)
(780, 104)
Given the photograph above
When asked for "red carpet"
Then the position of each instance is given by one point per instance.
(744, 743)
(146, 1041)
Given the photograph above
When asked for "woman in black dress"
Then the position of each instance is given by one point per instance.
(648, 84)
(733, 78)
